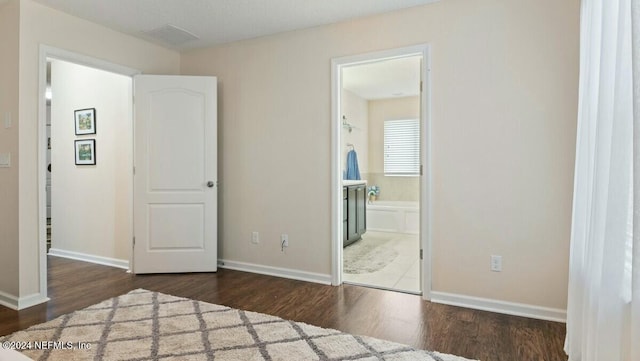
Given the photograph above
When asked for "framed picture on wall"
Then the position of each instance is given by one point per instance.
(85, 152)
(85, 121)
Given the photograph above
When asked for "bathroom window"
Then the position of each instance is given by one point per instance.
(402, 147)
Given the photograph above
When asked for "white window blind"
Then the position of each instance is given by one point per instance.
(402, 147)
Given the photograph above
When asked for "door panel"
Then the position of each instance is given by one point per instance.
(175, 208)
(352, 218)
(185, 222)
(178, 146)
(362, 211)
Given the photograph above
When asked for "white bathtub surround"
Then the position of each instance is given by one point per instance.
(393, 216)
(402, 274)
(395, 188)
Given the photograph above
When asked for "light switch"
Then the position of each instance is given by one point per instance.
(7, 120)
(5, 160)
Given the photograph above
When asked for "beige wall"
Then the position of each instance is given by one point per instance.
(42, 25)
(91, 211)
(504, 98)
(356, 110)
(504, 92)
(9, 15)
(391, 188)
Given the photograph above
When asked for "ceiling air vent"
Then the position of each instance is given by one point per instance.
(171, 34)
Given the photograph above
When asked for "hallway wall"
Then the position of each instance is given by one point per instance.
(91, 211)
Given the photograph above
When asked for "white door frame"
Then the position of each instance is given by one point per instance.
(50, 52)
(336, 172)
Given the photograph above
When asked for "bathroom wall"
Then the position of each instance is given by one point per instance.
(392, 188)
(356, 111)
(91, 211)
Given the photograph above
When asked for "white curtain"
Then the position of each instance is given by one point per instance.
(603, 314)
(634, 329)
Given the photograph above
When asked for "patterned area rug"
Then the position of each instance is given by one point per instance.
(144, 325)
(368, 255)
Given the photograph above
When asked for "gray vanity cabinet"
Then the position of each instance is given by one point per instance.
(354, 211)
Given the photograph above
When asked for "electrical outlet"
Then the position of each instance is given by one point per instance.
(7, 120)
(255, 238)
(284, 240)
(5, 160)
(496, 263)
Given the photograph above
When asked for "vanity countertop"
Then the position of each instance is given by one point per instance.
(353, 182)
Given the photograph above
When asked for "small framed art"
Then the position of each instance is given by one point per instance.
(85, 121)
(85, 152)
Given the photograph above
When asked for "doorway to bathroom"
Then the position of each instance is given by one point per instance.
(381, 168)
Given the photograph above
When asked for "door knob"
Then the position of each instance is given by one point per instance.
(210, 184)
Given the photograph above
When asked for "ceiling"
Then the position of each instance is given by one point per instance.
(215, 22)
(384, 79)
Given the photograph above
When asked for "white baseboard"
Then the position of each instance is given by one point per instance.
(105, 261)
(31, 300)
(17, 304)
(276, 271)
(8, 300)
(509, 308)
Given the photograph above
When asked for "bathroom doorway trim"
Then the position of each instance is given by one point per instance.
(337, 64)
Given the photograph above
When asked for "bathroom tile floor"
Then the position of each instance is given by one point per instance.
(402, 274)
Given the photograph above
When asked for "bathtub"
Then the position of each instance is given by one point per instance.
(393, 216)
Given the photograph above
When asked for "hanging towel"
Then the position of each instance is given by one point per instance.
(353, 171)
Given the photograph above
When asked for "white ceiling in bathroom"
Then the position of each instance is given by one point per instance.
(215, 22)
(384, 79)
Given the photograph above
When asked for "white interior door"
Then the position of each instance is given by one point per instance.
(175, 190)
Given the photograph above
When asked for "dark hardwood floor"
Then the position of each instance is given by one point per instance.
(387, 315)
